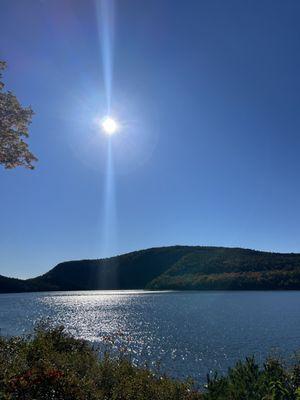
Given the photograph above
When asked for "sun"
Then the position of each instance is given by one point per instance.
(109, 125)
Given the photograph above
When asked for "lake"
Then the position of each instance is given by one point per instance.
(188, 333)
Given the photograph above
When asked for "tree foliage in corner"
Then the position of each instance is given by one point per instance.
(14, 122)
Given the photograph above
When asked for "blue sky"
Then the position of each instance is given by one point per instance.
(207, 94)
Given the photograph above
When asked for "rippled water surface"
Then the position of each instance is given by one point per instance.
(189, 333)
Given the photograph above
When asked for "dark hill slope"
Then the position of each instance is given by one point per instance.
(128, 271)
(9, 285)
(176, 267)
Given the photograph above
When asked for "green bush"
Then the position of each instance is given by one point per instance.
(53, 365)
(249, 381)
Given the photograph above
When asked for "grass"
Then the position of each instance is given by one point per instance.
(53, 365)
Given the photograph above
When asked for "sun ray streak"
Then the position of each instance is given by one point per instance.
(109, 222)
(106, 23)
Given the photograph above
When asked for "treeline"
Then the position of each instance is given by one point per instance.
(271, 280)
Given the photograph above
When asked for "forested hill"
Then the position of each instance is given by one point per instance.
(175, 267)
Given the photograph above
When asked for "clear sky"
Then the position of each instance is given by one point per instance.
(207, 94)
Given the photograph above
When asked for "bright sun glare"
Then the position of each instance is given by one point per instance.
(109, 125)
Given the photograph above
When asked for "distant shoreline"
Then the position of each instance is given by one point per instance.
(125, 292)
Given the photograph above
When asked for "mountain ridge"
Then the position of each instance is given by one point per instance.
(171, 267)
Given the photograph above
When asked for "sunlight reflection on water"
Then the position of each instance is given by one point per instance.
(188, 333)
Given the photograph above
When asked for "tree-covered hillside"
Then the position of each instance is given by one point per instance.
(175, 267)
(8, 285)
(128, 271)
(226, 268)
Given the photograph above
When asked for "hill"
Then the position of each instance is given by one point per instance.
(175, 267)
(8, 285)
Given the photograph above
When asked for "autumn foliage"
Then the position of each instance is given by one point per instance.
(14, 122)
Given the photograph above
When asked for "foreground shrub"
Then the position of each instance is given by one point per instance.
(53, 365)
(249, 381)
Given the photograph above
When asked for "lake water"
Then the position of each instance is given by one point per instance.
(189, 333)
